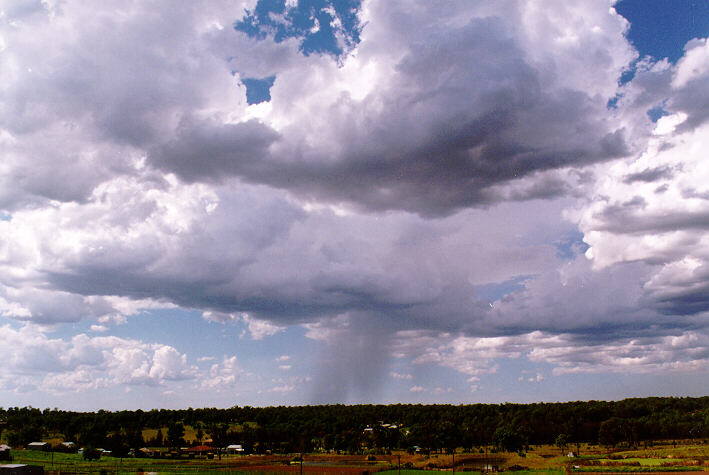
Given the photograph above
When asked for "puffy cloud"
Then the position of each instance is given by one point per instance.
(85, 362)
(461, 101)
(660, 220)
(566, 353)
(400, 375)
(457, 102)
(281, 263)
(87, 89)
(401, 199)
(223, 376)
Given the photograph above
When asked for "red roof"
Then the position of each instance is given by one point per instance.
(200, 448)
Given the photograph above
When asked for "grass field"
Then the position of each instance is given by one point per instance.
(539, 460)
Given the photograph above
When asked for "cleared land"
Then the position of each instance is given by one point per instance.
(690, 456)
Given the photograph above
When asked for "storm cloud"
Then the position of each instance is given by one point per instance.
(453, 185)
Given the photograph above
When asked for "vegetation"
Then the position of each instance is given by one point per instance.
(376, 429)
(684, 457)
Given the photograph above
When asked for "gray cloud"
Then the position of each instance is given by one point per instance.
(649, 175)
(370, 201)
(464, 110)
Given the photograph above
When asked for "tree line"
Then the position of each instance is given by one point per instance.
(354, 428)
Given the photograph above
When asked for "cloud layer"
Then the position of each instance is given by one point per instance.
(458, 185)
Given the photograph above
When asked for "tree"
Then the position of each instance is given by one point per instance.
(199, 434)
(117, 444)
(562, 441)
(91, 453)
(508, 438)
(611, 432)
(158, 441)
(175, 434)
(218, 432)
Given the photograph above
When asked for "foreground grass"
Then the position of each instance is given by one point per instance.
(541, 460)
(655, 469)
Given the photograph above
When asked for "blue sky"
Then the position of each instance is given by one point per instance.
(298, 202)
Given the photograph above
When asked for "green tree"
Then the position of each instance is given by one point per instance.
(562, 441)
(175, 434)
(158, 441)
(218, 432)
(611, 432)
(90, 453)
(508, 438)
(199, 434)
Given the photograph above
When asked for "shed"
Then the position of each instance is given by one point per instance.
(234, 449)
(44, 446)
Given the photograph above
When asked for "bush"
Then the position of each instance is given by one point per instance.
(91, 453)
(516, 468)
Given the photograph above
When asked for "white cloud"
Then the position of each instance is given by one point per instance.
(417, 389)
(566, 353)
(89, 362)
(222, 376)
(403, 200)
(286, 388)
(400, 375)
(259, 329)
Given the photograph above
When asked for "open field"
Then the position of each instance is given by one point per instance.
(539, 460)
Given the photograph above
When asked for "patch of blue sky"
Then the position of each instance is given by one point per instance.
(429, 383)
(569, 246)
(495, 291)
(323, 26)
(13, 323)
(258, 90)
(198, 338)
(656, 113)
(660, 29)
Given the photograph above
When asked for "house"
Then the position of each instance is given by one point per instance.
(21, 469)
(67, 447)
(43, 446)
(145, 452)
(200, 450)
(234, 449)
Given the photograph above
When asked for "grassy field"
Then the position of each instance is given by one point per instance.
(539, 460)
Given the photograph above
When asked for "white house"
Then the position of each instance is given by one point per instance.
(234, 449)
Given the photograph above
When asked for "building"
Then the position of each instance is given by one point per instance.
(235, 449)
(43, 446)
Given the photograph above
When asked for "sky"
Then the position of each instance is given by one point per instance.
(285, 202)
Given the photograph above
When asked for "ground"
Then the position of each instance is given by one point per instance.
(685, 456)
